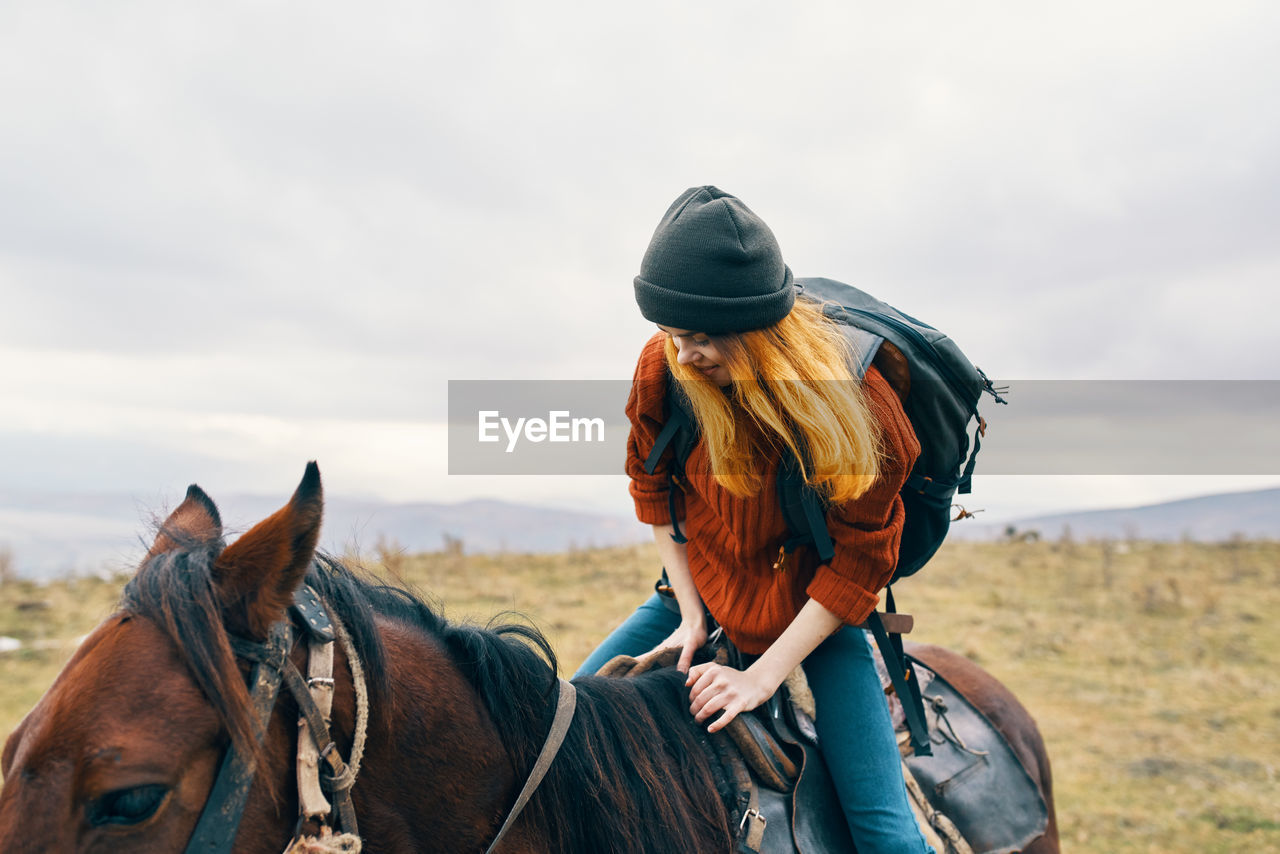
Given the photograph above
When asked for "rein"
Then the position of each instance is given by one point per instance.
(565, 706)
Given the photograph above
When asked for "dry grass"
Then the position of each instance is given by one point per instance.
(1150, 667)
(48, 620)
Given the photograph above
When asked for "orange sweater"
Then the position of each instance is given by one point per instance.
(733, 541)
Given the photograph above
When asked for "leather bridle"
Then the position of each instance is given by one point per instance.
(215, 832)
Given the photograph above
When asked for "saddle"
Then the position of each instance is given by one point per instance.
(971, 795)
(973, 784)
(771, 766)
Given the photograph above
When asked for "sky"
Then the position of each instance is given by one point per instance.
(238, 236)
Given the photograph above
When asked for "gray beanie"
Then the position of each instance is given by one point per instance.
(713, 266)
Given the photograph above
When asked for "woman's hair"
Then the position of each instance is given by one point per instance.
(790, 386)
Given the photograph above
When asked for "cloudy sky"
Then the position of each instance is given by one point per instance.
(237, 236)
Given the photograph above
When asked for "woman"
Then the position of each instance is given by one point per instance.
(763, 372)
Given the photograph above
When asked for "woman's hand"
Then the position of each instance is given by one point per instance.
(688, 637)
(715, 687)
(691, 634)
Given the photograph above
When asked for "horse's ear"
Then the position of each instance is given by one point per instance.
(258, 574)
(196, 519)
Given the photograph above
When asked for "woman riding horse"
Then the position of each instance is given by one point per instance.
(122, 751)
(765, 374)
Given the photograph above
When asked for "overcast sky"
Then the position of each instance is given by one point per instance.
(237, 236)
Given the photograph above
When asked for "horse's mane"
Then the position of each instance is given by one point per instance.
(634, 772)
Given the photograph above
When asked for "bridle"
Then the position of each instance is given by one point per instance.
(215, 832)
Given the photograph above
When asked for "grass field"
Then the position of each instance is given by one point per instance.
(1151, 668)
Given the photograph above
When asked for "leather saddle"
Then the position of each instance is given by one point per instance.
(786, 802)
(972, 795)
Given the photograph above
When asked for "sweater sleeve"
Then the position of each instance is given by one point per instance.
(645, 411)
(867, 530)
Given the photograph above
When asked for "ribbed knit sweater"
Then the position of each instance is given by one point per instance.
(734, 541)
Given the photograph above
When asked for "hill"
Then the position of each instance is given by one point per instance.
(1209, 518)
(53, 535)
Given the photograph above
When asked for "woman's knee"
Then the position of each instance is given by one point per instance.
(842, 671)
(647, 626)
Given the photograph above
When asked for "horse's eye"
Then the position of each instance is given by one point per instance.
(127, 806)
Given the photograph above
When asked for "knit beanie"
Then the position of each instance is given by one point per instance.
(713, 266)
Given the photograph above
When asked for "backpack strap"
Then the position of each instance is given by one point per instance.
(679, 433)
(905, 682)
(802, 510)
(943, 490)
(676, 420)
(966, 478)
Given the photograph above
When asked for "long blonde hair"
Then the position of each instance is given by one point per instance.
(790, 387)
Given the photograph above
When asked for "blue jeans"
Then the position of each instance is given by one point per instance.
(853, 723)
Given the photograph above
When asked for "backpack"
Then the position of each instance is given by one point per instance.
(940, 389)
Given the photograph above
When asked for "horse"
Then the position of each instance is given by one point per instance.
(124, 750)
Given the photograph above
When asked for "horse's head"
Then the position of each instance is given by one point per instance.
(121, 752)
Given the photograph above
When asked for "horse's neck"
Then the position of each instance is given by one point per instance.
(432, 751)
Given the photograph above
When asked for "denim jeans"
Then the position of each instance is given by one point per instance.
(853, 723)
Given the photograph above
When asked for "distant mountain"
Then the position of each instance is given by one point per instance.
(50, 535)
(484, 525)
(1210, 518)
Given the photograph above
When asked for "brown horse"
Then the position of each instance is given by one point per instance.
(122, 752)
